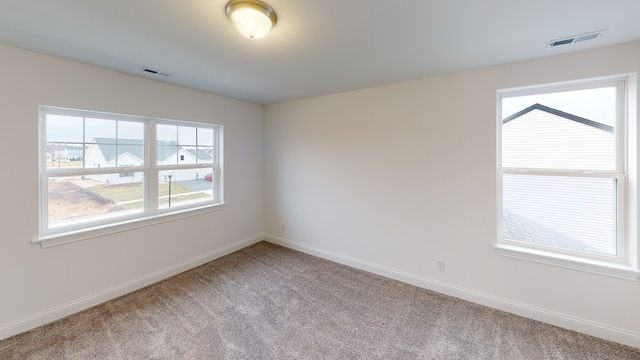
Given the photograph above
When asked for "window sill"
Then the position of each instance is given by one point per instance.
(47, 241)
(620, 271)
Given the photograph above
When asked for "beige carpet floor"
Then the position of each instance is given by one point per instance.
(269, 302)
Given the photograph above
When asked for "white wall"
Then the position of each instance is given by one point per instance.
(390, 178)
(39, 285)
(387, 179)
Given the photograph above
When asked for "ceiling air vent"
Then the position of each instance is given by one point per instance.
(576, 38)
(150, 71)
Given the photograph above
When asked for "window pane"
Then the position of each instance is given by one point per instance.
(129, 132)
(167, 133)
(130, 155)
(562, 130)
(78, 199)
(186, 136)
(63, 156)
(187, 155)
(205, 137)
(167, 149)
(183, 187)
(100, 155)
(61, 128)
(100, 130)
(577, 213)
(205, 155)
(167, 155)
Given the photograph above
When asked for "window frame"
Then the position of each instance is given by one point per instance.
(151, 212)
(625, 263)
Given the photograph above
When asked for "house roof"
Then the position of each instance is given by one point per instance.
(131, 146)
(200, 154)
(517, 227)
(562, 114)
(135, 147)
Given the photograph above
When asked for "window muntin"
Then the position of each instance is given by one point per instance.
(562, 180)
(96, 170)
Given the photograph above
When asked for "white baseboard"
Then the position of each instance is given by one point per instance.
(61, 311)
(550, 317)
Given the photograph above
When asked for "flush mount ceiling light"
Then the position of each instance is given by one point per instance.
(252, 18)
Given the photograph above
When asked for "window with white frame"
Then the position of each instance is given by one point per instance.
(98, 170)
(563, 171)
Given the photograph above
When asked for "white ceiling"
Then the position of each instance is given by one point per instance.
(317, 47)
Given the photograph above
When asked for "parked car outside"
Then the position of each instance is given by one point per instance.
(209, 177)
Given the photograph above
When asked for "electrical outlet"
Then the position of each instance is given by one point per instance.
(440, 264)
